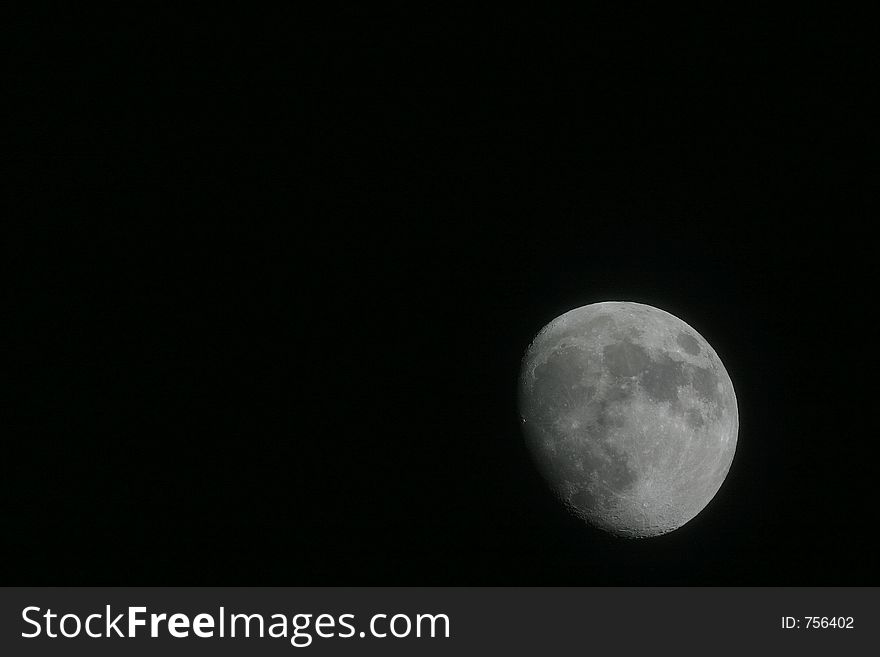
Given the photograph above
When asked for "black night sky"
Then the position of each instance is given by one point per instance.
(272, 277)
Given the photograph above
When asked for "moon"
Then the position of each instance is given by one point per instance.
(630, 416)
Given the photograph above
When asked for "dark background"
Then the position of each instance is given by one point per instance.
(271, 278)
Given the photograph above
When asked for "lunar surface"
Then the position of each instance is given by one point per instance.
(630, 416)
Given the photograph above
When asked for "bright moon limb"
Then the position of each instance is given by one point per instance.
(630, 416)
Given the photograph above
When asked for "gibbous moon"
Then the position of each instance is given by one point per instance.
(630, 416)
